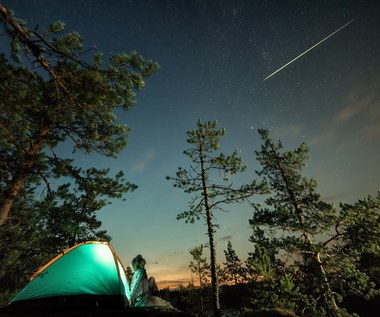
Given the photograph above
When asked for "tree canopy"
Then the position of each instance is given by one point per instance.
(322, 241)
(73, 102)
(58, 99)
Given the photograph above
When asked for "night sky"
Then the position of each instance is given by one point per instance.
(214, 56)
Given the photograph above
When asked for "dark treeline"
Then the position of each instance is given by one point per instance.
(244, 292)
(236, 299)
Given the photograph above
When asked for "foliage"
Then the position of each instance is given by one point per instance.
(199, 265)
(208, 179)
(276, 312)
(295, 222)
(295, 210)
(188, 299)
(233, 267)
(271, 288)
(59, 103)
(62, 219)
(70, 211)
(201, 268)
(357, 256)
(360, 225)
(21, 256)
(260, 264)
(73, 105)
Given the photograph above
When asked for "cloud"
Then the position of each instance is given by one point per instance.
(363, 101)
(357, 105)
(226, 238)
(142, 163)
(359, 118)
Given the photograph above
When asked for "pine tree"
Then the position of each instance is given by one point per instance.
(271, 287)
(201, 268)
(72, 102)
(233, 267)
(70, 211)
(63, 218)
(22, 246)
(357, 257)
(295, 210)
(201, 178)
(63, 93)
(295, 221)
(199, 265)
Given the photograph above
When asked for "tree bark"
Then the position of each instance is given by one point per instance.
(23, 36)
(333, 309)
(210, 228)
(10, 194)
(201, 289)
(13, 188)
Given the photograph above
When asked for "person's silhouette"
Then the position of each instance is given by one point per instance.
(144, 291)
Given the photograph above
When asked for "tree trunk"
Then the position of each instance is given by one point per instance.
(13, 188)
(332, 307)
(8, 197)
(210, 230)
(23, 36)
(201, 290)
(214, 278)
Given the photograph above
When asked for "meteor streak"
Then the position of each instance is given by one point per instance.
(309, 49)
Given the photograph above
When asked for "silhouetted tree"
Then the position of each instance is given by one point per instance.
(70, 212)
(201, 179)
(64, 94)
(360, 225)
(199, 265)
(65, 217)
(22, 246)
(296, 221)
(356, 259)
(272, 287)
(233, 267)
(74, 104)
(201, 268)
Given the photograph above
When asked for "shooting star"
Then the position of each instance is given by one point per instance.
(309, 49)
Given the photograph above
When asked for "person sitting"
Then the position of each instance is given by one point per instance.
(143, 289)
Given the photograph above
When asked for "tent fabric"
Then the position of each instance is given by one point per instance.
(89, 268)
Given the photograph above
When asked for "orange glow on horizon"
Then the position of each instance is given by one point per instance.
(172, 284)
(168, 276)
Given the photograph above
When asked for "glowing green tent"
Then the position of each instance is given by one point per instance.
(88, 274)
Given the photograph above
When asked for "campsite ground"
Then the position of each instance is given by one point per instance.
(144, 312)
(130, 312)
